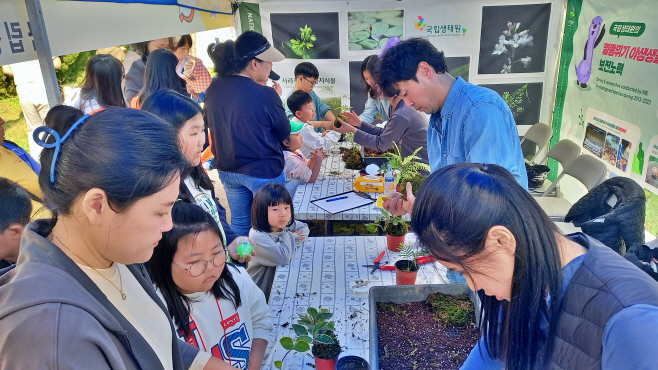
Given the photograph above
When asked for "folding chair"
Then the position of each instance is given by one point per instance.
(586, 169)
(539, 134)
(564, 152)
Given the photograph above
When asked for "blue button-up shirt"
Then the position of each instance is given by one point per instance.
(475, 125)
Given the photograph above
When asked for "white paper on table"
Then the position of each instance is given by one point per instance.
(352, 200)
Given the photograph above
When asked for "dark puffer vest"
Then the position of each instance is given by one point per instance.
(618, 227)
(603, 285)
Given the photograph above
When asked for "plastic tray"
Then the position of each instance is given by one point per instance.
(409, 293)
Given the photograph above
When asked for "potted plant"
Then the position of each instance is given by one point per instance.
(313, 332)
(394, 227)
(406, 269)
(408, 169)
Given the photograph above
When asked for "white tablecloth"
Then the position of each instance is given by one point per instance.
(319, 276)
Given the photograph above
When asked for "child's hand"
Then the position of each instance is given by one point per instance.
(233, 251)
(299, 234)
(319, 154)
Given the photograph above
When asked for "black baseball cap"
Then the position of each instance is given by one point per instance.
(252, 45)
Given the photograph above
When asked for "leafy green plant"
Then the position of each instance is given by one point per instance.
(416, 181)
(393, 225)
(406, 167)
(312, 329)
(336, 103)
(304, 43)
(73, 68)
(410, 253)
(515, 99)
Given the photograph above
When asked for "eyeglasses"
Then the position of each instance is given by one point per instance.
(309, 81)
(199, 267)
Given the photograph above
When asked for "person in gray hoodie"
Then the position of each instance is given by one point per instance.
(79, 296)
(275, 232)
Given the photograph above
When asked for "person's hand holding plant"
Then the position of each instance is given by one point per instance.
(397, 205)
(353, 118)
(344, 127)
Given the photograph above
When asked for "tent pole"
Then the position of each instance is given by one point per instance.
(40, 36)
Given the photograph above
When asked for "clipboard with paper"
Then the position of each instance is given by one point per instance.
(343, 202)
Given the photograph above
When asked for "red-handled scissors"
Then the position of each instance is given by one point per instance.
(377, 264)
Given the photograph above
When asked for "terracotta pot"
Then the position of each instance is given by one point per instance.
(321, 364)
(393, 242)
(405, 277)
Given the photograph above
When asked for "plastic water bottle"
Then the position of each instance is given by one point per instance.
(388, 181)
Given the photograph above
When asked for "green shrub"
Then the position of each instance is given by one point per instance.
(7, 87)
(73, 68)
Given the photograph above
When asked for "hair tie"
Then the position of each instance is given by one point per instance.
(58, 141)
(485, 167)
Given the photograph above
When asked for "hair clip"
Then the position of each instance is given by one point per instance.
(58, 141)
(485, 167)
(217, 42)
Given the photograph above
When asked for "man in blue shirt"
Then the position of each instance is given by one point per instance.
(469, 123)
(306, 77)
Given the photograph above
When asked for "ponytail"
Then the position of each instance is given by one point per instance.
(226, 58)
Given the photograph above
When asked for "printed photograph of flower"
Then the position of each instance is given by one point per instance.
(523, 99)
(514, 38)
(306, 35)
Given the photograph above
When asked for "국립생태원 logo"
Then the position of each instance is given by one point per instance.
(440, 29)
(421, 23)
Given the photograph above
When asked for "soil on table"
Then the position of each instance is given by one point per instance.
(369, 152)
(411, 337)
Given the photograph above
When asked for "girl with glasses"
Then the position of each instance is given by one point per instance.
(189, 270)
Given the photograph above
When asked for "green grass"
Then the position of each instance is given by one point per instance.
(651, 221)
(15, 126)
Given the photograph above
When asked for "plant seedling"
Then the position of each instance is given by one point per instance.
(312, 329)
(393, 225)
(408, 168)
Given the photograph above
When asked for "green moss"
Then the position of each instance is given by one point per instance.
(451, 310)
(416, 180)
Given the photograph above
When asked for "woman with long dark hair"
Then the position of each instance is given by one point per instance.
(135, 63)
(247, 122)
(377, 103)
(101, 87)
(79, 295)
(185, 115)
(160, 75)
(548, 300)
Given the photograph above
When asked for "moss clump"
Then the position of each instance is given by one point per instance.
(337, 123)
(416, 181)
(451, 310)
(352, 158)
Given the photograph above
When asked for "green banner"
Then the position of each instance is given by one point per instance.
(570, 28)
(250, 17)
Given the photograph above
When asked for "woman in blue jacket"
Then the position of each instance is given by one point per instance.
(548, 300)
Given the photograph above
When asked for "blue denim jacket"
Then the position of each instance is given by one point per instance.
(475, 125)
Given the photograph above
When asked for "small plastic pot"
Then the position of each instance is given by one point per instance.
(393, 242)
(352, 363)
(405, 272)
(321, 364)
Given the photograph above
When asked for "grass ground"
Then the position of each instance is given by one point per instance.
(15, 126)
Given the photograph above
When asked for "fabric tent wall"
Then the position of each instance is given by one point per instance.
(607, 95)
(75, 26)
(467, 31)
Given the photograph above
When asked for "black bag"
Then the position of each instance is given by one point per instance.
(536, 175)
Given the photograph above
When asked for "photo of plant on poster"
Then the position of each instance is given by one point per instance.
(306, 35)
(513, 38)
(509, 41)
(370, 30)
(523, 99)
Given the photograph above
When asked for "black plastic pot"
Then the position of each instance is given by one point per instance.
(352, 363)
